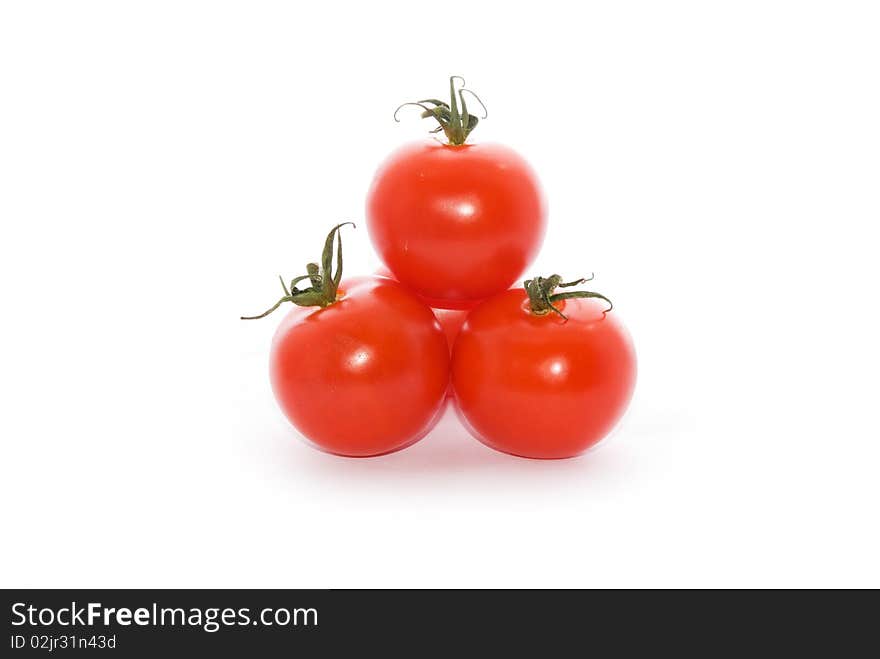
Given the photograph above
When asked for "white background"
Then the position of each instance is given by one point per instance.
(716, 164)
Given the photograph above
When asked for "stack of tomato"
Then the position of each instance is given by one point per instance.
(362, 366)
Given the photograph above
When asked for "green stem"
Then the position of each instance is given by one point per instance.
(542, 299)
(286, 298)
(324, 283)
(456, 124)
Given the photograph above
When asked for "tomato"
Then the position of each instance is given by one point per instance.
(450, 320)
(364, 376)
(456, 223)
(542, 385)
(361, 369)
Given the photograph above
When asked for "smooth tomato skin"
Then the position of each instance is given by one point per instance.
(537, 386)
(451, 320)
(456, 224)
(364, 376)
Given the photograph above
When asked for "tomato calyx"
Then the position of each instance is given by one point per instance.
(542, 298)
(456, 125)
(324, 282)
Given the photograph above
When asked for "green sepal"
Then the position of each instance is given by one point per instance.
(323, 282)
(456, 124)
(542, 299)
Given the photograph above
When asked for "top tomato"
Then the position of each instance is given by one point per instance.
(456, 223)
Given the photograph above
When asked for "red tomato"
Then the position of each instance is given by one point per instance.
(456, 223)
(365, 375)
(450, 320)
(360, 367)
(540, 386)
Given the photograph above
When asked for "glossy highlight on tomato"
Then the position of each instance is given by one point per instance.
(365, 375)
(456, 223)
(542, 386)
(451, 321)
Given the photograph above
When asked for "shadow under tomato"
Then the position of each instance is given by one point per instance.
(448, 453)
